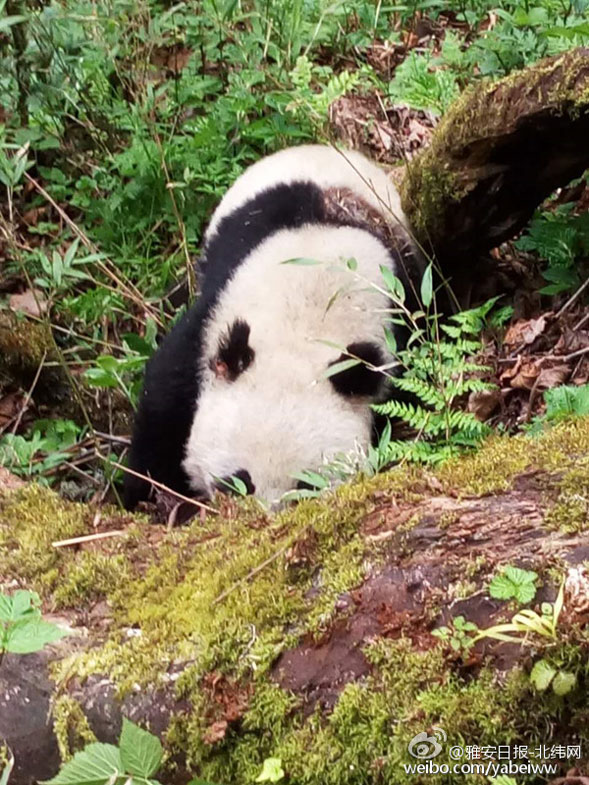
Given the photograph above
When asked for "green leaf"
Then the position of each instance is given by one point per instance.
(138, 344)
(564, 682)
(567, 32)
(302, 262)
(312, 478)
(9, 21)
(271, 771)
(393, 284)
(515, 583)
(97, 764)
(391, 341)
(541, 675)
(22, 604)
(26, 637)
(338, 367)
(427, 290)
(8, 766)
(141, 751)
(99, 378)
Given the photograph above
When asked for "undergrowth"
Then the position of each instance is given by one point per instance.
(121, 126)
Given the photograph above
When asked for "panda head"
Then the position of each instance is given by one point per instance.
(264, 420)
(268, 406)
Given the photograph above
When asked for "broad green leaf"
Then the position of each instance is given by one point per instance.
(25, 637)
(312, 478)
(393, 284)
(567, 32)
(541, 675)
(71, 253)
(520, 577)
(99, 378)
(427, 290)
(96, 764)
(272, 771)
(564, 682)
(9, 21)
(391, 341)
(138, 344)
(141, 751)
(108, 363)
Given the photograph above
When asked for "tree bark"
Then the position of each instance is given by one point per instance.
(498, 153)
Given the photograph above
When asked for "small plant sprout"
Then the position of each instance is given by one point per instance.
(272, 771)
(458, 634)
(514, 583)
(528, 622)
(136, 759)
(233, 484)
(544, 675)
(6, 764)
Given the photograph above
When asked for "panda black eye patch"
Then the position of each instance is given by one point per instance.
(234, 354)
(359, 380)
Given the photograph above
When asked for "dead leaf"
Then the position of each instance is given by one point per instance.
(572, 341)
(8, 481)
(31, 217)
(526, 375)
(526, 330)
(9, 407)
(577, 591)
(31, 301)
(215, 732)
(483, 403)
(573, 777)
(552, 377)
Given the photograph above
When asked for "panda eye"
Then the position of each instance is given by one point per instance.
(234, 354)
(360, 379)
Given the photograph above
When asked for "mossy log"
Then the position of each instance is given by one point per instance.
(497, 154)
(307, 636)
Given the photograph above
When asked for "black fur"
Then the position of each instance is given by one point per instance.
(171, 385)
(359, 380)
(235, 354)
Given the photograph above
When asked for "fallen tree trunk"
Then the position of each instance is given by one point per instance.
(497, 154)
(308, 637)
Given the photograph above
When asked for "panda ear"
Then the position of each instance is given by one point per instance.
(234, 354)
(360, 379)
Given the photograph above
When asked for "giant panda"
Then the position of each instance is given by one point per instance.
(291, 283)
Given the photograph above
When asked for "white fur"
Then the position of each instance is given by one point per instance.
(324, 166)
(281, 415)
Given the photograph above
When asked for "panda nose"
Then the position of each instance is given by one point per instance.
(227, 484)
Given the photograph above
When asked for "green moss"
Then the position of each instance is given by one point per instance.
(230, 593)
(489, 470)
(570, 512)
(366, 737)
(440, 175)
(70, 726)
(31, 520)
(23, 344)
(93, 575)
(494, 466)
